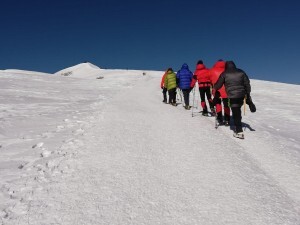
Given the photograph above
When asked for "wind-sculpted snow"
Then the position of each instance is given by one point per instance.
(108, 151)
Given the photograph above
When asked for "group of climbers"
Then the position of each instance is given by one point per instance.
(224, 81)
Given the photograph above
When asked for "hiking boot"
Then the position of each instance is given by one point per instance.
(204, 113)
(220, 118)
(212, 112)
(239, 135)
(226, 123)
(220, 121)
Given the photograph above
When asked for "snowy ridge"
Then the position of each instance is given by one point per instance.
(74, 151)
(25, 72)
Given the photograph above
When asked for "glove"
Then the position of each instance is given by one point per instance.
(248, 99)
(249, 102)
(252, 108)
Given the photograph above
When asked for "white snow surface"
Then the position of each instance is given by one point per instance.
(80, 150)
(24, 72)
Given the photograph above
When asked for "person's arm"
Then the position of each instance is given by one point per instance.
(247, 85)
(191, 76)
(219, 82)
(194, 79)
(177, 78)
(166, 81)
(248, 90)
(162, 81)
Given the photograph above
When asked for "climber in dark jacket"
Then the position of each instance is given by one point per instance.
(237, 85)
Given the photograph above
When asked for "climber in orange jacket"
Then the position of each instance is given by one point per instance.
(164, 89)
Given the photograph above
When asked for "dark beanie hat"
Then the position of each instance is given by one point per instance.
(200, 62)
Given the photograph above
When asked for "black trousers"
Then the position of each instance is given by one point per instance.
(235, 105)
(172, 95)
(218, 103)
(186, 96)
(205, 91)
(164, 91)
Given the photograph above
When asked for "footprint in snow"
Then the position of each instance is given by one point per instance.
(38, 145)
(78, 131)
(51, 164)
(46, 135)
(274, 128)
(59, 128)
(15, 210)
(45, 153)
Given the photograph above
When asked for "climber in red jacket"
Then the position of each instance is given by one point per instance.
(221, 95)
(201, 75)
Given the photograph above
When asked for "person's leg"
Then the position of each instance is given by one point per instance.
(237, 118)
(208, 96)
(226, 110)
(219, 110)
(236, 104)
(203, 103)
(172, 97)
(165, 94)
(186, 95)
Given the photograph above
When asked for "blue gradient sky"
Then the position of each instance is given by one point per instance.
(262, 37)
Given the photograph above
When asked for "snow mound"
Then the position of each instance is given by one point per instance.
(82, 70)
(24, 72)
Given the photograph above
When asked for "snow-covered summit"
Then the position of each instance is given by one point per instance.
(82, 70)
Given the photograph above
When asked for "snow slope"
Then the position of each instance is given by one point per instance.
(107, 151)
(24, 72)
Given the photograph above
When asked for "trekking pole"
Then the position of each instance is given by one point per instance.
(193, 101)
(216, 121)
(180, 91)
(244, 110)
(197, 98)
(244, 106)
(177, 97)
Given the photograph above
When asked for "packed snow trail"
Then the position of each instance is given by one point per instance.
(144, 162)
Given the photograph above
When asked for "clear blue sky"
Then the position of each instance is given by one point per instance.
(261, 36)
